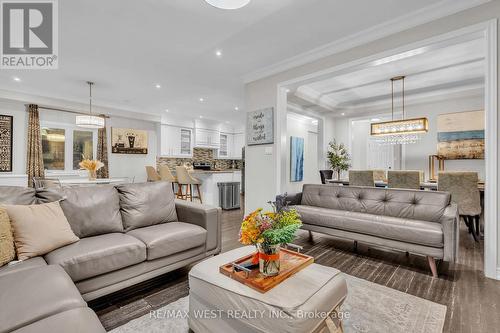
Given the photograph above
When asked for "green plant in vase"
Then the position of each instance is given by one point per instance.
(338, 157)
(268, 231)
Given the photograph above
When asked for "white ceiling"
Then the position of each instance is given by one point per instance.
(127, 47)
(429, 73)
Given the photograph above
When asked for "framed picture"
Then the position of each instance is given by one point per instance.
(129, 141)
(296, 159)
(6, 130)
(260, 127)
(461, 135)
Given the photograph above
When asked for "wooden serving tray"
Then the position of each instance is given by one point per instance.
(290, 261)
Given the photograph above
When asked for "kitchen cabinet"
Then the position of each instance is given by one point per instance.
(176, 141)
(207, 138)
(238, 144)
(226, 146)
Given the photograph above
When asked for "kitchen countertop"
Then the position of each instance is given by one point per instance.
(214, 171)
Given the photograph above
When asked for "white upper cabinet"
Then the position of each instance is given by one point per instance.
(207, 138)
(176, 141)
(238, 144)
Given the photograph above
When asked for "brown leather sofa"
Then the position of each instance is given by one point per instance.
(420, 222)
(128, 234)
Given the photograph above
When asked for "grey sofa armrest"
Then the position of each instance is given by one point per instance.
(451, 223)
(291, 199)
(207, 217)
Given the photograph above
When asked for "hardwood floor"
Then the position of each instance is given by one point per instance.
(473, 301)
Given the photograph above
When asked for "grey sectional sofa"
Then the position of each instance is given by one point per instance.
(420, 222)
(128, 234)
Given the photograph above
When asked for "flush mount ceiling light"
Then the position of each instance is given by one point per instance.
(402, 131)
(89, 120)
(228, 4)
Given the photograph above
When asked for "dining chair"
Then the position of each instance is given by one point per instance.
(361, 178)
(462, 185)
(153, 175)
(166, 175)
(185, 179)
(325, 175)
(43, 183)
(404, 179)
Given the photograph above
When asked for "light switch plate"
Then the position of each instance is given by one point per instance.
(268, 151)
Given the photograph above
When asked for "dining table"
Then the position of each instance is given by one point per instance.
(86, 181)
(426, 185)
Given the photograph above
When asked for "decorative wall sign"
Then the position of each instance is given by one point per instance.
(260, 127)
(461, 135)
(129, 141)
(296, 159)
(6, 143)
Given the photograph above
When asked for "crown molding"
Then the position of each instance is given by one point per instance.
(427, 14)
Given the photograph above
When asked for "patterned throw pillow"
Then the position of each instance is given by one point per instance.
(7, 251)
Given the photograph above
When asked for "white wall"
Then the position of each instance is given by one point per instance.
(416, 155)
(261, 168)
(300, 128)
(119, 165)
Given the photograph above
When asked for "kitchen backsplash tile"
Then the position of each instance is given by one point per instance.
(199, 155)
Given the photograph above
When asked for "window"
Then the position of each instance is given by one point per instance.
(53, 143)
(185, 142)
(83, 145)
(63, 146)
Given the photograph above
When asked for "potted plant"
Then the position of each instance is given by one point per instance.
(338, 157)
(267, 231)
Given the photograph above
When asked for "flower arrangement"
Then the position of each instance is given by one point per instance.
(267, 231)
(91, 166)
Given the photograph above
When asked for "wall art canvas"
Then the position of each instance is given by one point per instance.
(260, 127)
(6, 143)
(296, 159)
(129, 141)
(461, 135)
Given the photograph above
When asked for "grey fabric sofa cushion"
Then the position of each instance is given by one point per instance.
(90, 211)
(97, 255)
(13, 195)
(408, 204)
(22, 265)
(80, 320)
(169, 238)
(401, 229)
(29, 296)
(146, 204)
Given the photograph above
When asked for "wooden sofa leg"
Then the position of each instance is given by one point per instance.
(355, 246)
(310, 236)
(432, 265)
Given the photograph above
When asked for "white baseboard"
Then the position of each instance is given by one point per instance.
(498, 273)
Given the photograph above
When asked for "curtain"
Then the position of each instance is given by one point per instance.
(102, 152)
(34, 160)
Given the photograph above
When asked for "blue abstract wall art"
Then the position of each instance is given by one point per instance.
(296, 159)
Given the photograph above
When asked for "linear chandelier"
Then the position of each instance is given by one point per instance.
(90, 120)
(403, 131)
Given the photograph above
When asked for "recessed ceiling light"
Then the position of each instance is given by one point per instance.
(342, 114)
(158, 86)
(15, 78)
(218, 53)
(227, 122)
(287, 90)
(236, 108)
(202, 99)
(228, 4)
(375, 119)
(201, 117)
(166, 110)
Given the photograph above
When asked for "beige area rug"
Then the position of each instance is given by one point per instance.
(371, 308)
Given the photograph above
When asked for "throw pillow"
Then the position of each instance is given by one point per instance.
(7, 251)
(39, 229)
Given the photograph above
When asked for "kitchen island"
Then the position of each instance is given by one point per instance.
(209, 180)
